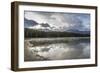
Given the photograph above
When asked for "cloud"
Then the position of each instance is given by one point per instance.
(61, 21)
(35, 16)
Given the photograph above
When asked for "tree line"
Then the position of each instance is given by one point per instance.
(32, 33)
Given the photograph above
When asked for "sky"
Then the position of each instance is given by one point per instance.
(61, 21)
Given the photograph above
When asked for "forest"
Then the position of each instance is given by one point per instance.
(33, 33)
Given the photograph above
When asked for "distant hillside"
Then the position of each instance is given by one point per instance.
(33, 33)
(46, 27)
(77, 31)
(29, 23)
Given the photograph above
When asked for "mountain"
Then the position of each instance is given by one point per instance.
(42, 27)
(78, 31)
(29, 23)
(45, 25)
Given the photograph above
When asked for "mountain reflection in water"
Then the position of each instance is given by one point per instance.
(72, 49)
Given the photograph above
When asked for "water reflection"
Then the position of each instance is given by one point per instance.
(76, 49)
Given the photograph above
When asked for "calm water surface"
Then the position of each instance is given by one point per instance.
(67, 48)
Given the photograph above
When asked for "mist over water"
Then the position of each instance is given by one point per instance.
(72, 49)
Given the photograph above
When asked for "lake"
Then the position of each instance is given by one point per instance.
(41, 49)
